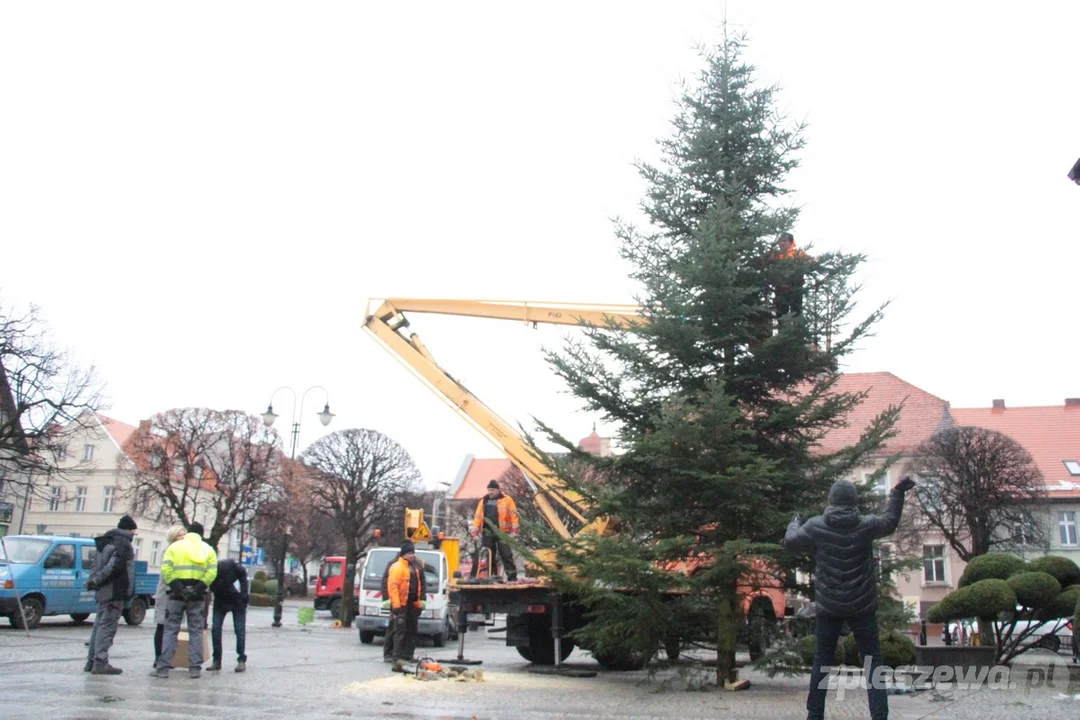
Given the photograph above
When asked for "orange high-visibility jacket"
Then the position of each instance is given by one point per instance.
(508, 514)
(399, 582)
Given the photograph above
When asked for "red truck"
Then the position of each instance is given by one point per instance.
(329, 583)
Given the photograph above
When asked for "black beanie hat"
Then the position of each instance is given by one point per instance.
(127, 523)
(407, 547)
(197, 528)
(493, 484)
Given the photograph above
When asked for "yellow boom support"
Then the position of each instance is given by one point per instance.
(388, 324)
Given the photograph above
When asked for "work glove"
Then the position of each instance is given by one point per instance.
(905, 485)
(190, 594)
(423, 604)
(176, 589)
(385, 604)
(92, 584)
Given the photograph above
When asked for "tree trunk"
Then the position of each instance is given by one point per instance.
(303, 570)
(726, 636)
(347, 588)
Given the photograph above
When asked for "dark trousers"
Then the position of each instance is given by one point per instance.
(106, 620)
(159, 636)
(865, 629)
(504, 552)
(239, 623)
(404, 623)
(789, 300)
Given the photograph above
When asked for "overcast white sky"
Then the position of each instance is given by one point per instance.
(202, 196)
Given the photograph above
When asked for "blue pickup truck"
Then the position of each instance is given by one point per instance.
(50, 574)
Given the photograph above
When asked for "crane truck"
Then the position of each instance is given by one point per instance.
(538, 615)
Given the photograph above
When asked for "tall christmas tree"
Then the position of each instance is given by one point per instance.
(718, 402)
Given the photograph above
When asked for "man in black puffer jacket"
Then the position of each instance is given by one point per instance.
(113, 577)
(845, 585)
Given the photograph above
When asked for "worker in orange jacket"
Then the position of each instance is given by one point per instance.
(497, 510)
(405, 587)
(789, 277)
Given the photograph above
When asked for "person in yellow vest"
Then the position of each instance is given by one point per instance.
(497, 510)
(188, 569)
(404, 585)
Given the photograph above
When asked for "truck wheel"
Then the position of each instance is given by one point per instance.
(335, 608)
(135, 614)
(542, 645)
(367, 637)
(672, 647)
(525, 652)
(624, 661)
(1050, 642)
(33, 610)
(80, 617)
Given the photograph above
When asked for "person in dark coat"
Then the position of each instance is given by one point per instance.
(113, 577)
(845, 584)
(230, 590)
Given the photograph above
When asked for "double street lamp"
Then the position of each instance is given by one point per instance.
(268, 419)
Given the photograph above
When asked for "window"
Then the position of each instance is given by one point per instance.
(1067, 527)
(80, 499)
(1073, 466)
(138, 548)
(934, 563)
(54, 499)
(89, 552)
(107, 499)
(178, 468)
(61, 453)
(61, 558)
(155, 552)
(88, 452)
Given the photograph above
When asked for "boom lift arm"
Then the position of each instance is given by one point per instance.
(563, 509)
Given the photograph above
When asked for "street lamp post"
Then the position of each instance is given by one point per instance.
(268, 418)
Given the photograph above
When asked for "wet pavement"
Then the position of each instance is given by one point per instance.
(321, 672)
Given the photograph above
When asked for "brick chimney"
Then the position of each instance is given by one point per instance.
(999, 405)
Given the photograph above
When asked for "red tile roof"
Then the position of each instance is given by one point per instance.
(923, 414)
(119, 431)
(1050, 434)
(471, 483)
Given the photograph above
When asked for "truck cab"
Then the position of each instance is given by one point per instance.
(50, 573)
(329, 585)
(436, 619)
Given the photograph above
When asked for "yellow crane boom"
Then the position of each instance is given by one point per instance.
(563, 509)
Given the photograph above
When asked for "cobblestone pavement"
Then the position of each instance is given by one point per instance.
(319, 672)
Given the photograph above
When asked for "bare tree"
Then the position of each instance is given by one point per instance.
(979, 488)
(358, 475)
(199, 464)
(45, 398)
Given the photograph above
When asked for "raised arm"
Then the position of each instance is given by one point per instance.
(886, 523)
(796, 539)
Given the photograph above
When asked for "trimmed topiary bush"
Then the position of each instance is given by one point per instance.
(1034, 589)
(258, 587)
(260, 575)
(897, 649)
(991, 566)
(1066, 604)
(260, 600)
(806, 646)
(983, 599)
(1064, 570)
(271, 587)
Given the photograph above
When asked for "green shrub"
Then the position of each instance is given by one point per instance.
(258, 587)
(260, 600)
(1063, 569)
(1066, 604)
(983, 599)
(271, 587)
(992, 566)
(260, 575)
(897, 649)
(806, 646)
(1034, 589)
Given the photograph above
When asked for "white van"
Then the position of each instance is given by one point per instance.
(436, 620)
